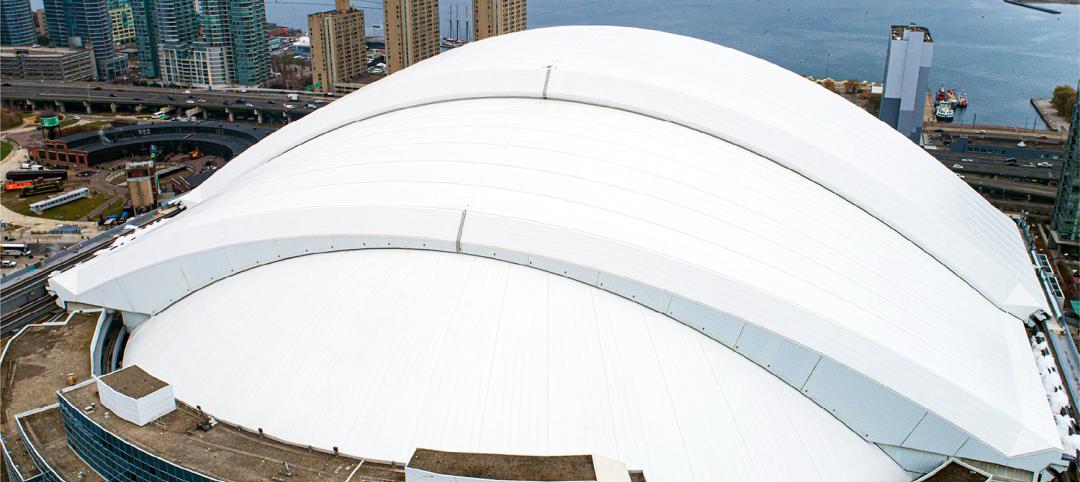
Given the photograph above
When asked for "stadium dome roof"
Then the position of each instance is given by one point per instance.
(778, 220)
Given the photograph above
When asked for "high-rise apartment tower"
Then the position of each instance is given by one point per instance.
(79, 23)
(16, 23)
(497, 17)
(412, 31)
(338, 50)
(907, 74)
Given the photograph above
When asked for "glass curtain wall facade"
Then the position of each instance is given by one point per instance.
(85, 23)
(16, 23)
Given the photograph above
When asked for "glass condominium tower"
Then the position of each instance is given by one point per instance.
(16, 23)
(85, 23)
(232, 47)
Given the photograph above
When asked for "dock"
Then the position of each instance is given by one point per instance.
(1033, 6)
(1049, 115)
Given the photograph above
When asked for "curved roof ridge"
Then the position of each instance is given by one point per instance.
(976, 243)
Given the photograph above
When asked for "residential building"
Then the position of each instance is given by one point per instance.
(497, 17)
(412, 31)
(1066, 219)
(338, 51)
(16, 23)
(40, 27)
(146, 37)
(224, 43)
(77, 23)
(250, 52)
(907, 75)
(123, 21)
(47, 63)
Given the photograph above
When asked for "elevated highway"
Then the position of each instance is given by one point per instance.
(99, 97)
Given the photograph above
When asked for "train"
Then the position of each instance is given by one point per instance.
(30, 175)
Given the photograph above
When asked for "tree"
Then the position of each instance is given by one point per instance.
(873, 103)
(851, 86)
(1063, 100)
(829, 84)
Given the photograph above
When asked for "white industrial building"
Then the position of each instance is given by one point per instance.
(540, 244)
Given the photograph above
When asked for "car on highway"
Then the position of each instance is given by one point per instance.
(312, 106)
(967, 159)
(289, 106)
(1010, 161)
(112, 94)
(170, 97)
(76, 117)
(1045, 164)
(320, 101)
(249, 105)
(202, 101)
(187, 91)
(226, 102)
(957, 166)
(190, 101)
(270, 102)
(85, 173)
(135, 98)
(980, 131)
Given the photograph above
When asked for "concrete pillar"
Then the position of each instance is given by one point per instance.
(60, 107)
(88, 109)
(258, 117)
(229, 113)
(112, 107)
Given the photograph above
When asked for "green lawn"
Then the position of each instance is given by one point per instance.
(66, 122)
(71, 211)
(5, 148)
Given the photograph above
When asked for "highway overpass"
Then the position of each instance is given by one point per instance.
(98, 97)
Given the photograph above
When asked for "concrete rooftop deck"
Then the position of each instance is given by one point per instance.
(37, 364)
(229, 453)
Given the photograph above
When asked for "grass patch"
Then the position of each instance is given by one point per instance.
(114, 208)
(66, 122)
(71, 211)
(5, 149)
(96, 125)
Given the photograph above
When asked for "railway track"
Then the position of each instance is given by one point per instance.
(36, 311)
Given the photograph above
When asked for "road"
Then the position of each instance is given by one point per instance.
(152, 98)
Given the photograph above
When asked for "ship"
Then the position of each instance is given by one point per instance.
(944, 112)
(962, 103)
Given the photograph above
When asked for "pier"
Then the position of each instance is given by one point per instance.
(1033, 6)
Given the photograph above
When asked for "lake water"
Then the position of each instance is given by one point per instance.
(1001, 54)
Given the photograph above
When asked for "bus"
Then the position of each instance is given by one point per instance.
(15, 249)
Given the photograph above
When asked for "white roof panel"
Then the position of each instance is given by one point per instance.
(497, 358)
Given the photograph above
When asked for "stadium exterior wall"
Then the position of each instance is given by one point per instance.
(873, 411)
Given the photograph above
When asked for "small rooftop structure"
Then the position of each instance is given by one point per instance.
(136, 396)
